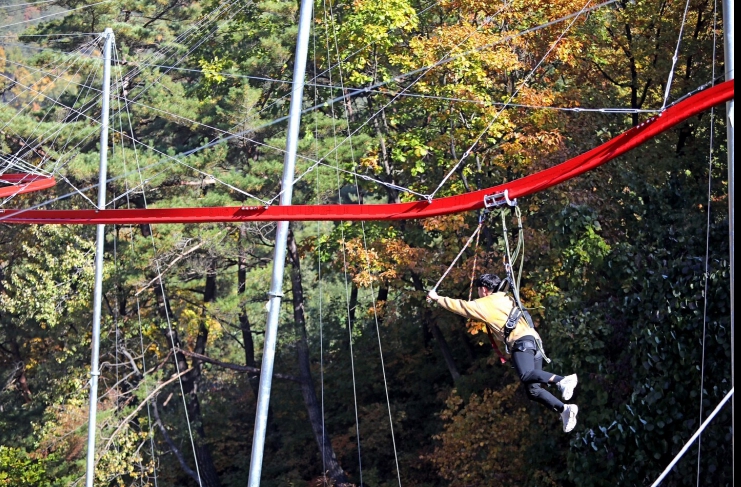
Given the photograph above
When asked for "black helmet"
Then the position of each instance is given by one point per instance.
(492, 283)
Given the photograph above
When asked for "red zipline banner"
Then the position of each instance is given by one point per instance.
(25, 183)
(525, 186)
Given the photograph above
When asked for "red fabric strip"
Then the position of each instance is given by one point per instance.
(518, 188)
(30, 183)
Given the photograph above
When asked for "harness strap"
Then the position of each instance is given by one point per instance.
(502, 358)
(514, 316)
(515, 281)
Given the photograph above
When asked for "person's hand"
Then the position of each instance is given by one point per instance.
(432, 296)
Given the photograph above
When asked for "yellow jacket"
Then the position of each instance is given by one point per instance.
(492, 310)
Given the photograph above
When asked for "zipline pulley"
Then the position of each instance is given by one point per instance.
(499, 199)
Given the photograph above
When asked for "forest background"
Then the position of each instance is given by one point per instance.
(626, 267)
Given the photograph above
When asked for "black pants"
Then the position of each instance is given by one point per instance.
(528, 363)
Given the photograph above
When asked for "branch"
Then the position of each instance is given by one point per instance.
(172, 445)
(141, 405)
(126, 353)
(159, 15)
(238, 368)
(169, 266)
(11, 377)
(608, 77)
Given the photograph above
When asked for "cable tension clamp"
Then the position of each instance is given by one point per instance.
(499, 199)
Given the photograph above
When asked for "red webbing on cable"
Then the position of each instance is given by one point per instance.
(527, 185)
(29, 184)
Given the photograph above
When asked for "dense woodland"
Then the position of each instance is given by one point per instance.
(626, 268)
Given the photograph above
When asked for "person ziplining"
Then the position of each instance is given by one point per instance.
(500, 308)
(513, 327)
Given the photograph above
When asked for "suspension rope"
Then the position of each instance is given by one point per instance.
(50, 133)
(509, 99)
(212, 16)
(146, 387)
(195, 122)
(370, 179)
(136, 296)
(162, 154)
(344, 263)
(515, 280)
(452, 264)
(511, 258)
(319, 273)
(31, 147)
(13, 162)
(489, 333)
(165, 304)
(354, 91)
(608, 110)
(367, 259)
(676, 55)
(55, 14)
(192, 121)
(706, 277)
(26, 88)
(350, 134)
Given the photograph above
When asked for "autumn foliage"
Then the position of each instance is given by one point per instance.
(373, 385)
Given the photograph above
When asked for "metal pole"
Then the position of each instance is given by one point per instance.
(281, 237)
(98, 291)
(728, 35)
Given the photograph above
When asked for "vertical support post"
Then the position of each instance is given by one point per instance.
(100, 240)
(281, 236)
(728, 39)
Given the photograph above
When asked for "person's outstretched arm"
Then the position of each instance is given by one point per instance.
(468, 309)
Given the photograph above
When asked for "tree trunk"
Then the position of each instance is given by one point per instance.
(244, 322)
(383, 294)
(331, 465)
(444, 348)
(392, 194)
(428, 323)
(248, 342)
(463, 337)
(352, 305)
(21, 374)
(206, 466)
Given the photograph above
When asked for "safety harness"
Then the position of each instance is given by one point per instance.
(518, 310)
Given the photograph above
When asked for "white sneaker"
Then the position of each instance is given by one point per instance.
(568, 416)
(567, 385)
